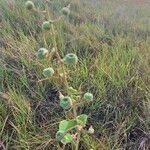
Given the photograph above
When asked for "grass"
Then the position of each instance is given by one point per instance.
(111, 39)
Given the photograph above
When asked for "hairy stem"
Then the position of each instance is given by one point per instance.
(78, 132)
(78, 140)
(58, 56)
(56, 49)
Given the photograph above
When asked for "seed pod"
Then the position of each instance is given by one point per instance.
(29, 5)
(59, 135)
(61, 75)
(48, 72)
(91, 130)
(71, 59)
(66, 10)
(53, 50)
(65, 102)
(60, 95)
(46, 25)
(88, 96)
(42, 53)
(79, 127)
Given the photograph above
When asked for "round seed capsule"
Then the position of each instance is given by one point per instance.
(71, 59)
(88, 96)
(66, 11)
(65, 102)
(29, 5)
(48, 72)
(42, 53)
(46, 25)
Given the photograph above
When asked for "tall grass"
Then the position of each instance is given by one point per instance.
(111, 39)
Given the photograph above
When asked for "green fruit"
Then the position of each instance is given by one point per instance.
(42, 53)
(88, 96)
(46, 25)
(59, 135)
(29, 5)
(65, 102)
(71, 59)
(48, 72)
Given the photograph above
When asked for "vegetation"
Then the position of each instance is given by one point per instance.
(74, 75)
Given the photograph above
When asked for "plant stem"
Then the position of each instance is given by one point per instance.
(74, 111)
(78, 132)
(56, 49)
(59, 58)
(65, 81)
(64, 147)
(78, 140)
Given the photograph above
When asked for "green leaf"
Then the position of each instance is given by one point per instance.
(63, 125)
(72, 123)
(74, 98)
(66, 125)
(67, 139)
(82, 119)
(71, 90)
(60, 135)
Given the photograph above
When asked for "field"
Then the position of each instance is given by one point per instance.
(111, 39)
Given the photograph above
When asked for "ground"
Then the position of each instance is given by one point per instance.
(112, 42)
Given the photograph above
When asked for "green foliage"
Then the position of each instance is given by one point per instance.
(113, 49)
(67, 138)
(63, 126)
(1, 78)
(71, 90)
(82, 119)
(60, 135)
(66, 125)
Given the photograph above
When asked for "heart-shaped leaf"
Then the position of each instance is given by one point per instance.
(66, 125)
(72, 123)
(63, 125)
(67, 139)
(71, 90)
(82, 119)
